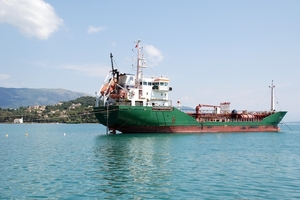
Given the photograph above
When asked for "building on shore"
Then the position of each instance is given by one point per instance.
(18, 121)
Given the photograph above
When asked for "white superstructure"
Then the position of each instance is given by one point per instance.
(134, 90)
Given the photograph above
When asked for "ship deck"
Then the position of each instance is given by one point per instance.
(228, 117)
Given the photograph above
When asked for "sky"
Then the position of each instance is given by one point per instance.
(212, 51)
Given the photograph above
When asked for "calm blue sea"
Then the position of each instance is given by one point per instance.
(60, 161)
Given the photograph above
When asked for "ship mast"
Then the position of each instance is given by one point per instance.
(272, 97)
(138, 72)
(139, 65)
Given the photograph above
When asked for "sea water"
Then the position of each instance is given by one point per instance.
(60, 161)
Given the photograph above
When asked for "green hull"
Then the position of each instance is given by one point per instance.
(144, 119)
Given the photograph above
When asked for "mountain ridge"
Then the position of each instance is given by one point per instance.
(18, 97)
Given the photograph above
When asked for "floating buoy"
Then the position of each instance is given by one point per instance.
(26, 134)
(6, 135)
(65, 134)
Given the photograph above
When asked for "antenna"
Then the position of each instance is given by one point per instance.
(112, 63)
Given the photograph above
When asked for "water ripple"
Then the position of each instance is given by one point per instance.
(86, 163)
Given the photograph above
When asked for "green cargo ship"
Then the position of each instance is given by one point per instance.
(130, 103)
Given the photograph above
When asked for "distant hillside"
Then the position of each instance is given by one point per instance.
(17, 97)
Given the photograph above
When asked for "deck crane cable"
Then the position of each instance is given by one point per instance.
(286, 125)
(115, 64)
(260, 102)
(277, 102)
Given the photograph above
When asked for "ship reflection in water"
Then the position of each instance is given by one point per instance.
(212, 166)
(140, 159)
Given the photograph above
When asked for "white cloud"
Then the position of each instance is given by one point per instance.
(113, 44)
(33, 17)
(91, 70)
(153, 55)
(93, 29)
(4, 76)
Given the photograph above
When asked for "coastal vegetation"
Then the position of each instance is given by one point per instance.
(17, 97)
(73, 111)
